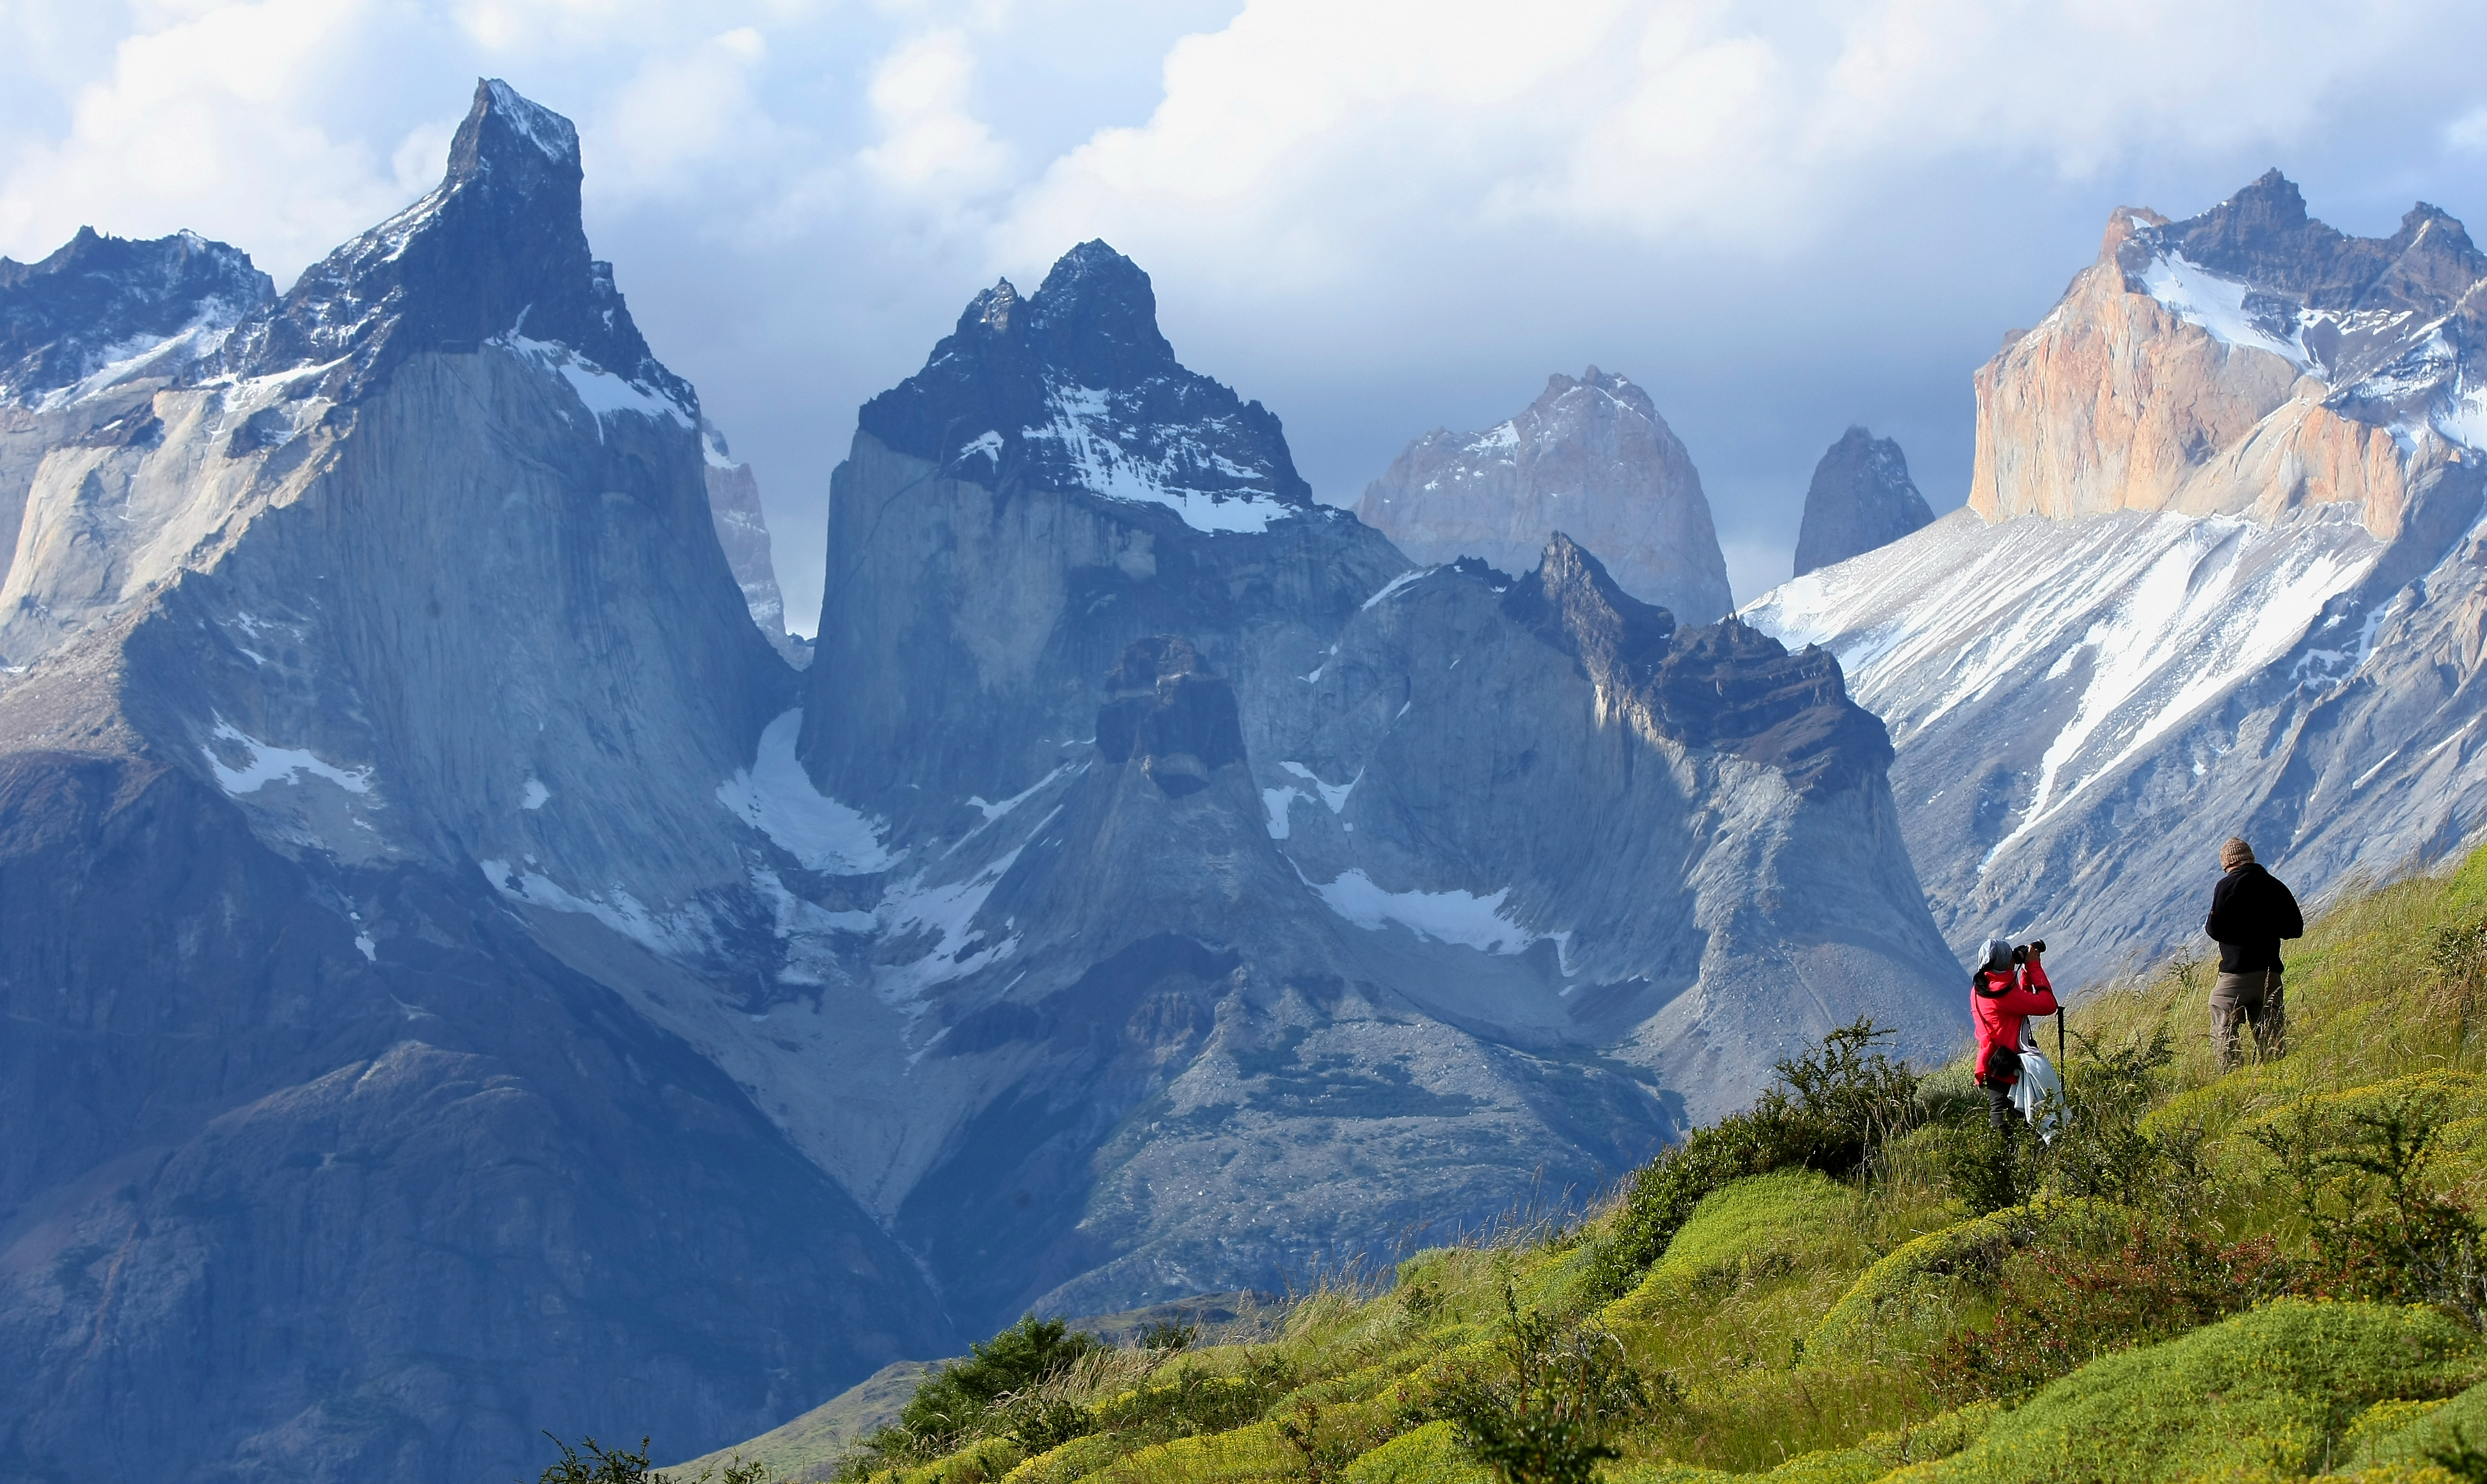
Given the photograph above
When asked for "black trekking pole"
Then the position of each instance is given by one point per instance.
(2059, 1036)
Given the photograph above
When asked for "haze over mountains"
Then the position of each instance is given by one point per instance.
(466, 979)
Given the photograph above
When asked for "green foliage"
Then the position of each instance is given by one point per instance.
(2271, 1391)
(599, 1465)
(1831, 1109)
(1196, 1401)
(2379, 1232)
(1169, 1334)
(958, 1400)
(2061, 1307)
(2458, 955)
(1547, 1420)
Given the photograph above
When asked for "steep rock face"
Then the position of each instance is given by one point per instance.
(1216, 858)
(103, 313)
(345, 1170)
(2247, 362)
(1860, 499)
(1591, 457)
(2248, 602)
(743, 533)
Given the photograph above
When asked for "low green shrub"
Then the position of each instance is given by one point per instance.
(1970, 1252)
(2273, 1390)
(2057, 1310)
(1194, 1401)
(1744, 1228)
(2378, 1230)
(1547, 1418)
(1833, 1109)
(975, 1397)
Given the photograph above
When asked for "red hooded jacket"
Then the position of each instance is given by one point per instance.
(1997, 1002)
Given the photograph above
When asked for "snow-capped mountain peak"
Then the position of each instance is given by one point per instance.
(1073, 388)
(2219, 576)
(495, 252)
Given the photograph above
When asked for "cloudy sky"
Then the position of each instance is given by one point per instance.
(1375, 217)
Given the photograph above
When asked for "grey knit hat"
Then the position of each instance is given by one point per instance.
(2236, 852)
(1996, 954)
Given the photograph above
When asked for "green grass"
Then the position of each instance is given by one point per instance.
(1816, 1323)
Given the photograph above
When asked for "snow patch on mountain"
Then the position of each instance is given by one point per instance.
(674, 936)
(262, 765)
(1335, 795)
(2219, 304)
(776, 796)
(1460, 918)
(1106, 459)
(602, 393)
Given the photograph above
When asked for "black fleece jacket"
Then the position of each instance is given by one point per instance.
(2251, 912)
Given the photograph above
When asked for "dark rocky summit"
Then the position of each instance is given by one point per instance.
(101, 299)
(1860, 499)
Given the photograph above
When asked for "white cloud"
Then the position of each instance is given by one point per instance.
(2469, 133)
(192, 127)
(1312, 137)
(930, 144)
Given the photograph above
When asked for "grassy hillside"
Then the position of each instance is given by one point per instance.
(2264, 1276)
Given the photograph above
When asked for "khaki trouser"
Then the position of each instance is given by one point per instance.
(2256, 998)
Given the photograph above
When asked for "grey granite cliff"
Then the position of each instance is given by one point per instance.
(1591, 457)
(1860, 499)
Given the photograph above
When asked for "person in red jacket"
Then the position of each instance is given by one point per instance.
(2002, 993)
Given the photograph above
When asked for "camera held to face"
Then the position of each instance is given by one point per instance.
(2024, 952)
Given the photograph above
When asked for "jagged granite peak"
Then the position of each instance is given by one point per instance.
(1591, 456)
(1241, 862)
(1725, 687)
(497, 251)
(2220, 575)
(104, 302)
(1862, 497)
(1073, 388)
(2254, 361)
(2263, 236)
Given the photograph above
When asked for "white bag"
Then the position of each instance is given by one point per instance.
(2039, 1095)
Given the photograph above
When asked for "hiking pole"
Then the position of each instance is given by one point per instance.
(2059, 1036)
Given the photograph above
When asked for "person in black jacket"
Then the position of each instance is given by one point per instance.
(2250, 911)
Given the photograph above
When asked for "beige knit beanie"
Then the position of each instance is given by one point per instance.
(2236, 852)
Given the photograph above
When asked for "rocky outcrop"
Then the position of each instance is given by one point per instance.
(1591, 457)
(108, 302)
(2221, 576)
(1860, 499)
